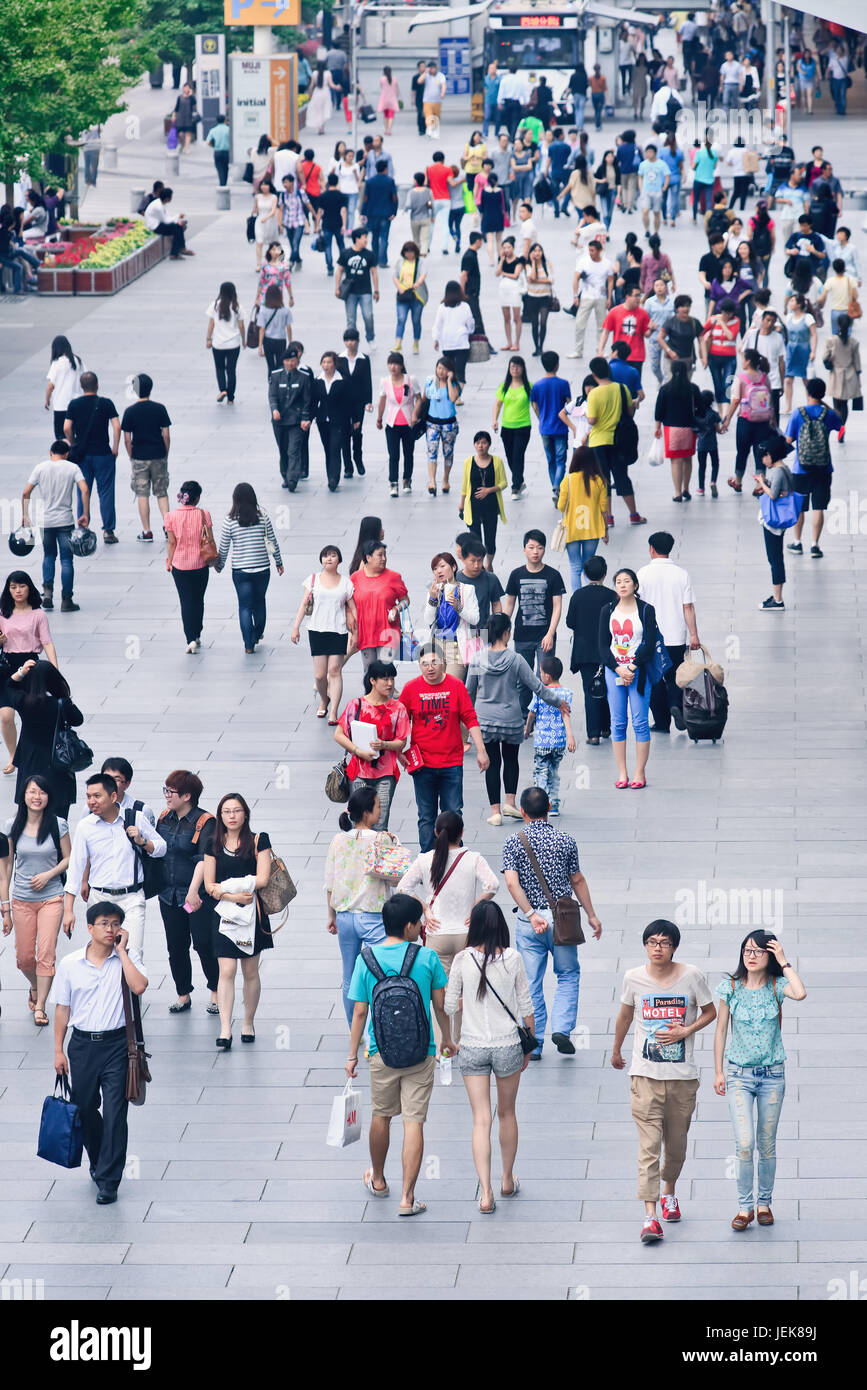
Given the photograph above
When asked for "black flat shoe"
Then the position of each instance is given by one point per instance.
(224, 1043)
(105, 1197)
(180, 1008)
(248, 1037)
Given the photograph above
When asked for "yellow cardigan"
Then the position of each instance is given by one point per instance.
(500, 481)
(584, 516)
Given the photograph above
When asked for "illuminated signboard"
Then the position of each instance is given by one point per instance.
(540, 21)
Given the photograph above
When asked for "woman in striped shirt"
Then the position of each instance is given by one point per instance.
(248, 530)
(186, 528)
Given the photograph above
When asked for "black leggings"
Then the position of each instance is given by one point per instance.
(509, 752)
(741, 189)
(399, 437)
(705, 454)
(484, 523)
(273, 349)
(539, 323)
(515, 443)
(455, 215)
(748, 434)
(842, 409)
(191, 586)
(225, 365)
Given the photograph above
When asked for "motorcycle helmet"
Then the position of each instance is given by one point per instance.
(82, 542)
(22, 541)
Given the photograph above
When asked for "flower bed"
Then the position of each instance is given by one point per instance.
(101, 260)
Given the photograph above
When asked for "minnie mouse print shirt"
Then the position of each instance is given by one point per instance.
(626, 634)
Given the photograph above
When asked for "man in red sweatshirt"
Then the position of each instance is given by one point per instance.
(437, 705)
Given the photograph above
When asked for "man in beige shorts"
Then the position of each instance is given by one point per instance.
(432, 102)
(146, 435)
(404, 1090)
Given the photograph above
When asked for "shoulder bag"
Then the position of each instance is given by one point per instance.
(137, 1070)
(278, 891)
(337, 783)
(69, 753)
(152, 870)
(207, 545)
(566, 912)
(529, 1042)
(253, 329)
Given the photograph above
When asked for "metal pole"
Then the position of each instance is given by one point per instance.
(770, 21)
(353, 39)
(787, 58)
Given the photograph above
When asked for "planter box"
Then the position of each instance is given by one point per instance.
(115, 277)
(56, 279)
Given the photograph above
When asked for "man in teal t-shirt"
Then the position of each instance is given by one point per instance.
(218, 139)
(404, 1091)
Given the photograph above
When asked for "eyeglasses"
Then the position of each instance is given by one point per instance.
(753, 951)
(663, 942)
(170, 791)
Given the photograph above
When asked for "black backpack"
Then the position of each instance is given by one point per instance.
(400, 1025)
(626, 433)
(762, 241)
(150, 872)
(717, 224)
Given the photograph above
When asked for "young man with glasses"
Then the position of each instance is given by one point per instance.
(668, 1003)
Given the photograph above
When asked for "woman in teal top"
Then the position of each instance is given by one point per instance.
(441, 391)
(512, 401)
(755, 1074)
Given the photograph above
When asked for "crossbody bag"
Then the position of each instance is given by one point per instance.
(529, 1042)
(566, 912)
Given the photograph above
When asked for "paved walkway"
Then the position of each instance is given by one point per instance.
(231, 1191)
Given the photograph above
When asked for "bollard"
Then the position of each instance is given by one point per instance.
(173, 164)
(224, 199)
(858, 200)
(135, 197)
(109, 157)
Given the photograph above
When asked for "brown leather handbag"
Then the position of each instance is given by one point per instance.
(207, 545)
(566, 912)
(137, 1069)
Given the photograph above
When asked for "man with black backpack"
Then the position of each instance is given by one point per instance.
(398, 981)
(809, 429)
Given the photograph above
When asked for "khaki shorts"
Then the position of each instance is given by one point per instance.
(147, 472)
(402, 1091)
(432, 110)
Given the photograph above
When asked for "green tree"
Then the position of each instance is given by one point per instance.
(62, 70)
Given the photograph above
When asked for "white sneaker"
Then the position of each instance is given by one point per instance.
(192, 647)
(575, 355)
(495, 819)
(515, 494)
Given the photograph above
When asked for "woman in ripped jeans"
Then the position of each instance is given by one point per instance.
(754, 1078)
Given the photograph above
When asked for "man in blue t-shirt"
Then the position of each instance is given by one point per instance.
(548, 397)
(653, 180)
(404, 1091)
(623, 372)
(559, 155)
(815, 481)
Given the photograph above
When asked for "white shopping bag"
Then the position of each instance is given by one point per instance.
(656, 452)
(344, 1127)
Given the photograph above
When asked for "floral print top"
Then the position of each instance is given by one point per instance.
(755, 1039)
(351, 887)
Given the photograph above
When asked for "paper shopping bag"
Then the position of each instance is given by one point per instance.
(344, 1127)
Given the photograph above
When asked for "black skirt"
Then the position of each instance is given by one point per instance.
(327, 643)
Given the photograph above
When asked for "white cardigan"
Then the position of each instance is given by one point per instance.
(485, 1022)
(453, 326)
(468, 642)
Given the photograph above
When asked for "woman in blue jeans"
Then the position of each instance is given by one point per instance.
(627, 641)
(754, 1078)
(354, 896)
(248, 532)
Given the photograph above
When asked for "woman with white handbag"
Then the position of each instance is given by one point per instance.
(237, 866)
(354, 896)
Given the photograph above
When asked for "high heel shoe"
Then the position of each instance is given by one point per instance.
(248, 1037)
(224, 1043)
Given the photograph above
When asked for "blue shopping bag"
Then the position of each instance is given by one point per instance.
(60, 1138)
(659, 663)
(781, 512)
(409, 647)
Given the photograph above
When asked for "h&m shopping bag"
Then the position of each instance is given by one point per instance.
(60, 1139)
(344, 1127)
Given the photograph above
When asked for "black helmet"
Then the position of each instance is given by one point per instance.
(22, 541)
(83, 542)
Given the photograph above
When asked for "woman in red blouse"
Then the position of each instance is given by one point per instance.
(186, 527)
(378, 593)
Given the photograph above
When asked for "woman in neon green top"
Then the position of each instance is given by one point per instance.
(513, 402)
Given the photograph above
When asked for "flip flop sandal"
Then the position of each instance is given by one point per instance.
(40, 1018)
(515, 1190)
(415, 1210)
(31, 1001)
(375, 1191)
(488, 1211)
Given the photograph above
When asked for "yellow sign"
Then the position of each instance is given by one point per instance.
(268, 12)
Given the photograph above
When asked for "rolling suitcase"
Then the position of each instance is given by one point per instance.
(705, 708)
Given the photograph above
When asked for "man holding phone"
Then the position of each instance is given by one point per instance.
(592, 289)
(88, 995)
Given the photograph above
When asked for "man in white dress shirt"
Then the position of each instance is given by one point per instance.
(156, 219)
(122, 772)
(513, 96)
(668, 588)
(104, 862)
(87, 994)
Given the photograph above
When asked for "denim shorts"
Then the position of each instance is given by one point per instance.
(481, 1061)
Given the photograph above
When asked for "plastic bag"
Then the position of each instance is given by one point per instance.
(172, 139)
(656, 452)
(344, 1126)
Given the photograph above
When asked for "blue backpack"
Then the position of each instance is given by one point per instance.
(401, 1026)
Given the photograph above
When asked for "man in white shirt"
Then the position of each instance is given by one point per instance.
(122, 772)
(768, 340)
(156, 219)
(513, 96)
(432, 99)
(732, 77)
(526, 229)
(841, 247)
(57, 480)
(668, 588)
(659, 105)
(87, 994)
(115, 873)
(589, 229)
(592, 288)
(286, 158)
(838, 74)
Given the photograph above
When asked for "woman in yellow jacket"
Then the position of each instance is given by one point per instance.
(482, 486)
(583, 501)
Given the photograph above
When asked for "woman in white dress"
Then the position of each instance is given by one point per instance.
(321, 103)
(449, 880)
(265, 209)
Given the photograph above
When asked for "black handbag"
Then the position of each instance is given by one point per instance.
(529, 1042)
(598, 690)
(420, 426)
(251, 227)
(247, 175)
(858, 403)
(69, 753)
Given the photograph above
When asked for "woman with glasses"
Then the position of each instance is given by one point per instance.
(750, 1065)
(187, 917)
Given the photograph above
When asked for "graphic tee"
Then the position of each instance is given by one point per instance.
(535, 593)
(630, 326)
(656, 1008)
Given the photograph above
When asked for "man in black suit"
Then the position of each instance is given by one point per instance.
(354, 366)
(331, 412)
(585, 606)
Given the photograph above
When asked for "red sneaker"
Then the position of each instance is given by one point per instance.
(841, 435)
(651, 1232)
(635, 519)
(670, 1209)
